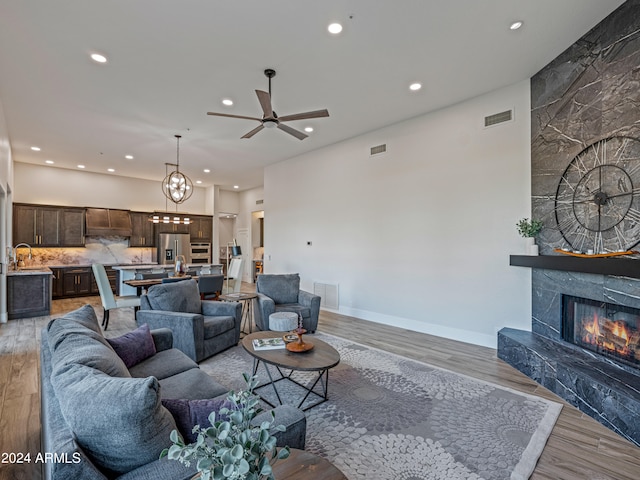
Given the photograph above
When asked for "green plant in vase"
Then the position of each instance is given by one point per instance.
(232, 448)
(529, 228)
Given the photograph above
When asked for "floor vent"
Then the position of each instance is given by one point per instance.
(328, 294)
(378, 149)
(498, 118)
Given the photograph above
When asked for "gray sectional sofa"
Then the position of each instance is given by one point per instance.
(104, 420)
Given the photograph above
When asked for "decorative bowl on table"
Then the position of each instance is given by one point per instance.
(297, 344)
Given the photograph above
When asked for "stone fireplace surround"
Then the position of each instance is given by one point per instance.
(602, 388)
(587, 93)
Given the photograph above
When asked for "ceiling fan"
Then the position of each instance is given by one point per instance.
(269, 118)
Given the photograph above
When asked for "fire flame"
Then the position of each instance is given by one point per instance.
(612, 336)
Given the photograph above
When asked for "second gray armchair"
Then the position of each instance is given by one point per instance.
(281, 293)
(200, 328)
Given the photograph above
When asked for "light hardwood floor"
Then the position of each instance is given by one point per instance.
(579, 448)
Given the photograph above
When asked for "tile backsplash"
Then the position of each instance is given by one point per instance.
(106, 250)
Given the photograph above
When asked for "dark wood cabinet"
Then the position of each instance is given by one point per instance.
(57, 290)
(48, 226)
(72, 227)
(141, 230)
(36, 225)
(201, 228)
(170, 228)
(28, 295)
(77, 281)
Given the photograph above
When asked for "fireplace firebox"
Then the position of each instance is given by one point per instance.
(608, 329)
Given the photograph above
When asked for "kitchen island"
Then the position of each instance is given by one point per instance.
(29, 292)
(129, 272)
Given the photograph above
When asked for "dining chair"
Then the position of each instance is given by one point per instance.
(234, 275)
(210, 286)
(108, 299)
(150, 275)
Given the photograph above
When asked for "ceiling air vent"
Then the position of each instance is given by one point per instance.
(378, 149)
(498, 118)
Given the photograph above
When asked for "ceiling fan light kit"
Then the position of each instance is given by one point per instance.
(269, 118)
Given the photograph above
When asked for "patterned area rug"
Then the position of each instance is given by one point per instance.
(392, 418)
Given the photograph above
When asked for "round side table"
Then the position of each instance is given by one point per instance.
(247, 312)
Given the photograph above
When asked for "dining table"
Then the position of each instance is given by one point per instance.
(144, 283)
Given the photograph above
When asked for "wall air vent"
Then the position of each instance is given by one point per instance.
(378, 149)
(498, 118)
(328, 293)
(259, 202)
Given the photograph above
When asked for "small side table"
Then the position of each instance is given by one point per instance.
(247, 312)
(306, 465)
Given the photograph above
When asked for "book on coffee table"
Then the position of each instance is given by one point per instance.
(268, 343)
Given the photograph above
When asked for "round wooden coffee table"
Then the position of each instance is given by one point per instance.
(320, 359)
(303, 465)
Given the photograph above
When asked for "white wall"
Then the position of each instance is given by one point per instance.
(418, 237)
(58, 186)
(6, 187)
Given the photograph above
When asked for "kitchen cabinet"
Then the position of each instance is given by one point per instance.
(170, 228)
(36, 225)
(29, 294)
(57, 290)
(141, 230)
(48, 226)
(76, 281)
(71, 227)
(201, 229)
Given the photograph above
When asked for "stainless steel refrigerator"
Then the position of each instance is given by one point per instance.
(171, 245)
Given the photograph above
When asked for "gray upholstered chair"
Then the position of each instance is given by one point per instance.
(281, 293)
(200, 328)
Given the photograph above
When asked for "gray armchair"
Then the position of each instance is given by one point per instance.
(200, 328)
(281, 293)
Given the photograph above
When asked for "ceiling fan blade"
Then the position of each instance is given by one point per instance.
(292, 131)
(233, 116)
(253, 132)
(305, 115)
(265, 102)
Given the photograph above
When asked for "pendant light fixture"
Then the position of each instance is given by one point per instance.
(176, 186)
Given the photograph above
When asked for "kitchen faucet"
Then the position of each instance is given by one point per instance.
(14, 254)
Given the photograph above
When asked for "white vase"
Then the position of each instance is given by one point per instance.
(531, 247)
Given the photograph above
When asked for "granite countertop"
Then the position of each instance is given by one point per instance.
(30, 271)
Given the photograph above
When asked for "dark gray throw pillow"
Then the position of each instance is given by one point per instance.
(119, 422)
(189, 413)
(135, 346)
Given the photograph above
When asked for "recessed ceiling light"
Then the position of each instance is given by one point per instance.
(308, 129)
(111, 170)
(80, 166)
(49, 162)
(98, 58)
(415, 87)
(198, 181)
(227, 101)
(129, 157)
(334, 28)
(206, 170)
(515, 25)
(35, 149)
(236, 186)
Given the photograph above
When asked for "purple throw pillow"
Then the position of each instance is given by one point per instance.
(189, 413)
(135, 346)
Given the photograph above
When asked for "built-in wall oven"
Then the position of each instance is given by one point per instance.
(201, 253)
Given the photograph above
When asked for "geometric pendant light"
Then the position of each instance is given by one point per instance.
(176, 186)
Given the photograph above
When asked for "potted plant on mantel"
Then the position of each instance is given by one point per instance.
(529, 229)
(232, 448)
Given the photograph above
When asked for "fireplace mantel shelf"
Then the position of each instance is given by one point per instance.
(623, 267)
